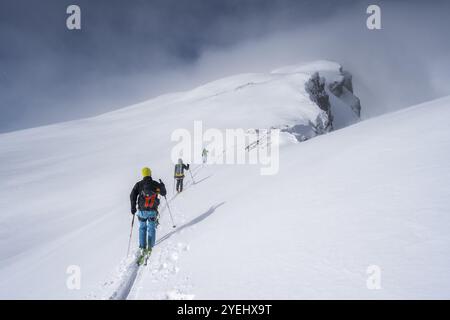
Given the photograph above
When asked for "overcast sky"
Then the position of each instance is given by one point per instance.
(130, 51)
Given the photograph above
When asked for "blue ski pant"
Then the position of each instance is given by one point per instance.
(147, 228)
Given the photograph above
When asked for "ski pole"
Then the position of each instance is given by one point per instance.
(170, 212)
(174, 182)
(192, 176)
(131, 233)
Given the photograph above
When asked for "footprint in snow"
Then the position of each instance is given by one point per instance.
(178, 295)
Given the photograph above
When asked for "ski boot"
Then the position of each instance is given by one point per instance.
(141, 258)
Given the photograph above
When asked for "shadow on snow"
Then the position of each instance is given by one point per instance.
(194, 221)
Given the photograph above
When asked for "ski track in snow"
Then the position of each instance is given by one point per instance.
(125, 286)
(162, 263)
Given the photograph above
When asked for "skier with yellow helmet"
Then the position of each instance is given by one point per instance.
(145, 195)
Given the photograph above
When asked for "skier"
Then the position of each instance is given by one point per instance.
(179, 174)
(146, 192)
(204, 155)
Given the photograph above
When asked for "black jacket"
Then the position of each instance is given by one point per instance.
(156, 187)
(183, 167)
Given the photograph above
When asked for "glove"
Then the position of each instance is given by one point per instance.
(133, 211)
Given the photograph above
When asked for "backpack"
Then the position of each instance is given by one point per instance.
(148, 198)
(179, 172)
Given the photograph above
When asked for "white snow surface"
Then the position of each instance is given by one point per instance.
(374, 193)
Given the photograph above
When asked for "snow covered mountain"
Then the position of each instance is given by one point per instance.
(373, 193)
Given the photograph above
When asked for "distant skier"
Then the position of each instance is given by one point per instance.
(205, 155)
(179, 174)
(145, 193)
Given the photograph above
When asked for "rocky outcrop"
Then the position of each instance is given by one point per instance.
(343, 88)
(303, 132)
(316, 89)
(334, 96)
(317, 93)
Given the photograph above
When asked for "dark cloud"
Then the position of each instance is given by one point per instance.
(129, 51)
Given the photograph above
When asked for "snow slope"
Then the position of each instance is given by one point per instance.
(378, 197)
(373, 193)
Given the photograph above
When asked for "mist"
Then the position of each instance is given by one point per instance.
(128, 52)
(405, 63)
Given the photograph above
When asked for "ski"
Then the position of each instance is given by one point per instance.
(143, 257)
(140, 259)
(147, 256)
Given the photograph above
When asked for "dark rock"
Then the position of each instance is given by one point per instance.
(317, 93)
(344, 87)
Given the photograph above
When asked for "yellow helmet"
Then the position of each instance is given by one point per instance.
(146, 172)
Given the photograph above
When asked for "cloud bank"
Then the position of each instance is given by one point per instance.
(128, 52)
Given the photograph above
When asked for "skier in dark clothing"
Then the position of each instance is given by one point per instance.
(145, 194)
(179, 174)
(205, 155)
